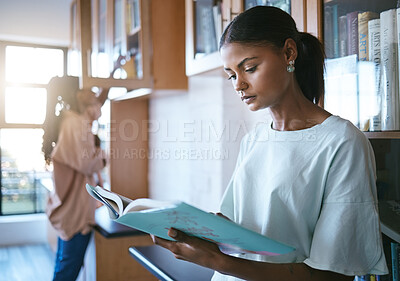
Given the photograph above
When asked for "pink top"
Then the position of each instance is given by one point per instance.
(75, 159)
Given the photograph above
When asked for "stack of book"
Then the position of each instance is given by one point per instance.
(373, 38)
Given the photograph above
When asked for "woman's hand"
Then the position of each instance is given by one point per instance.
(207, 254)
(191, 249)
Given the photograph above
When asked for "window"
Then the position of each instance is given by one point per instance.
(25, 71)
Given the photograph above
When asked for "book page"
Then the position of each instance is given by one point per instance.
(143, 204)
(116, 202)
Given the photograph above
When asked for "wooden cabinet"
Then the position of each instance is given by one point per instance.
(150, 36)
(205, 21)
(146, 36)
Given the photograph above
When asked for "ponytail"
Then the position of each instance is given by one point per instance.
(310, 67)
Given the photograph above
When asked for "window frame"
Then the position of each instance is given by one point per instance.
(4, 84)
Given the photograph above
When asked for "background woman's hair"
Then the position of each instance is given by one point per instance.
(59, 89)
(271, 26)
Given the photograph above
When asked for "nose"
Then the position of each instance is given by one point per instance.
(240, 85)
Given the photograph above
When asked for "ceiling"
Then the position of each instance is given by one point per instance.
(35, 21)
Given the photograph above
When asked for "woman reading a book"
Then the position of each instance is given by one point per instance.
(306, 179)
(76, 159)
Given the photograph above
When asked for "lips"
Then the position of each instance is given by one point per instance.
(248, 99)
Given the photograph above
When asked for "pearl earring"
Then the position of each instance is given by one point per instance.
(290, 67)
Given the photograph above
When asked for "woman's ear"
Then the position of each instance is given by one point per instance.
(290, 49)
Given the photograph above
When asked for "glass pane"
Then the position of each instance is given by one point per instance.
(74, 63)
(23, 171)
(33, 65)
(208, 27)
(25, 105)
(282, 4)
(102, 26)
(127, 40)
(118, 27)
(361, 79)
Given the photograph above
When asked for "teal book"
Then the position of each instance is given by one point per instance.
(157, 217)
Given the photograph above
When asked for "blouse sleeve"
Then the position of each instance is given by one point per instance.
(76, 147)
(347, 236)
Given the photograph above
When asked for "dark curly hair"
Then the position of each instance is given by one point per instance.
(60, 90)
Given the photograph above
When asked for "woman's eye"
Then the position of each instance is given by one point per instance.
(232, 77)
(251, 69)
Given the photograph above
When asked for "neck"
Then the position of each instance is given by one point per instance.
(296, 113)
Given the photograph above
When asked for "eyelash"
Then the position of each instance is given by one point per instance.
(250, 70)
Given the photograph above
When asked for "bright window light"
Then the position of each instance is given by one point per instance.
(25, 105)
(33, 65)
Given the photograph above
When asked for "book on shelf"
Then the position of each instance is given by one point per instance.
(206, 40)
(374, 55)
(352, 33)
(328, 31)
(335, 30)
(363, 42)
(217, 16)
(331, 33)
(390, 71)
(342, 29)
(132, 16)
(368, 277)
(395, 255)
(157, 217)
(368, 93)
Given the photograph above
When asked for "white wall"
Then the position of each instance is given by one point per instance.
(35, 21)
(23, 229)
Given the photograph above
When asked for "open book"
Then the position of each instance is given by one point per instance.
(156, 217)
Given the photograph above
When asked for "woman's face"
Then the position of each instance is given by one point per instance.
(89, 104)
(259, 72)
(94, 111)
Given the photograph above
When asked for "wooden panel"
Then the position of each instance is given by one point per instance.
(168, 35)
(383, 135)
(113, 261)
(85, 20)
(129, 147)
(298, 12)
(314, 17)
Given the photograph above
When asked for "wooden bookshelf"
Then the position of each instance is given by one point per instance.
(383, 135)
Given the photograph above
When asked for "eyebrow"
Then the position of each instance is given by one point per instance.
(241, 63)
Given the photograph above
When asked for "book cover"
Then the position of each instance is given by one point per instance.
(335, 30)
(395, 254)
(363, 42)
(328, 31)
(206, 40)
(368, 91)
(217, 16)
(157, 217)
(389, 60)
(342, 29)
(374, 43)
(352, 33)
